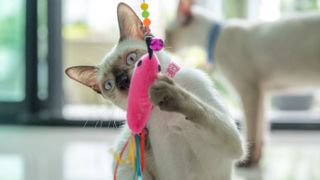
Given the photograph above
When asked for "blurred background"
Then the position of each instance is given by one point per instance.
(52, 128)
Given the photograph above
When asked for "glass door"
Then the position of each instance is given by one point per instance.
(12, 56)
(12, 45)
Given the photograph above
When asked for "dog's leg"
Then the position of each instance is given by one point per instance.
(253, 103)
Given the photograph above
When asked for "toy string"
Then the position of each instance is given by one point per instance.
(118, 159)
(142, 150)
(138, 167)
(136, 143)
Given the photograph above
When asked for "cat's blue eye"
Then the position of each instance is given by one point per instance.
(108, 85)
(131, 58)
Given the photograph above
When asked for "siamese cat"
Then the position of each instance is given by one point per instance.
(254, 57)
(190, 133)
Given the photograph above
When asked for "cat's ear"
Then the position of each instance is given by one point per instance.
(86, 75)
(184, 13)
(130, 26)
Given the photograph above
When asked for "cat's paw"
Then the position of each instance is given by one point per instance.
(166, 94)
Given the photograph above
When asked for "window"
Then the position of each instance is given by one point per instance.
(272, 10)
(298, 106)
(40, 38)
(26, 96)
(12, 46)
(306, 101)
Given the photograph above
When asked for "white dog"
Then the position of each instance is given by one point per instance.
(254, 57)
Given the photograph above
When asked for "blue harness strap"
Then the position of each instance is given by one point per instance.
(212, 40)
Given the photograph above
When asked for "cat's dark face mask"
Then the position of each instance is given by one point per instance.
(122, 79)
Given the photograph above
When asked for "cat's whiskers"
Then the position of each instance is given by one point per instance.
(101, 123)
(97, 123)
(85, 123)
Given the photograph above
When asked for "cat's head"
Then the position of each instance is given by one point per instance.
(112, 77)
(189, 28)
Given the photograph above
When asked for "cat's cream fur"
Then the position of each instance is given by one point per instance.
(255, 58)
(190, 134)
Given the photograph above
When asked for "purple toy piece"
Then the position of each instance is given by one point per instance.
(156, 44)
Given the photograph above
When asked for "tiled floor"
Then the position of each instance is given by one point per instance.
(291, 155)
(36, 153)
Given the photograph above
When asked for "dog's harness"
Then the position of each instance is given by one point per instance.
(212, 40)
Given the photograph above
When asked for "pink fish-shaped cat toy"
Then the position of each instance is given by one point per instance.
(139, 105)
